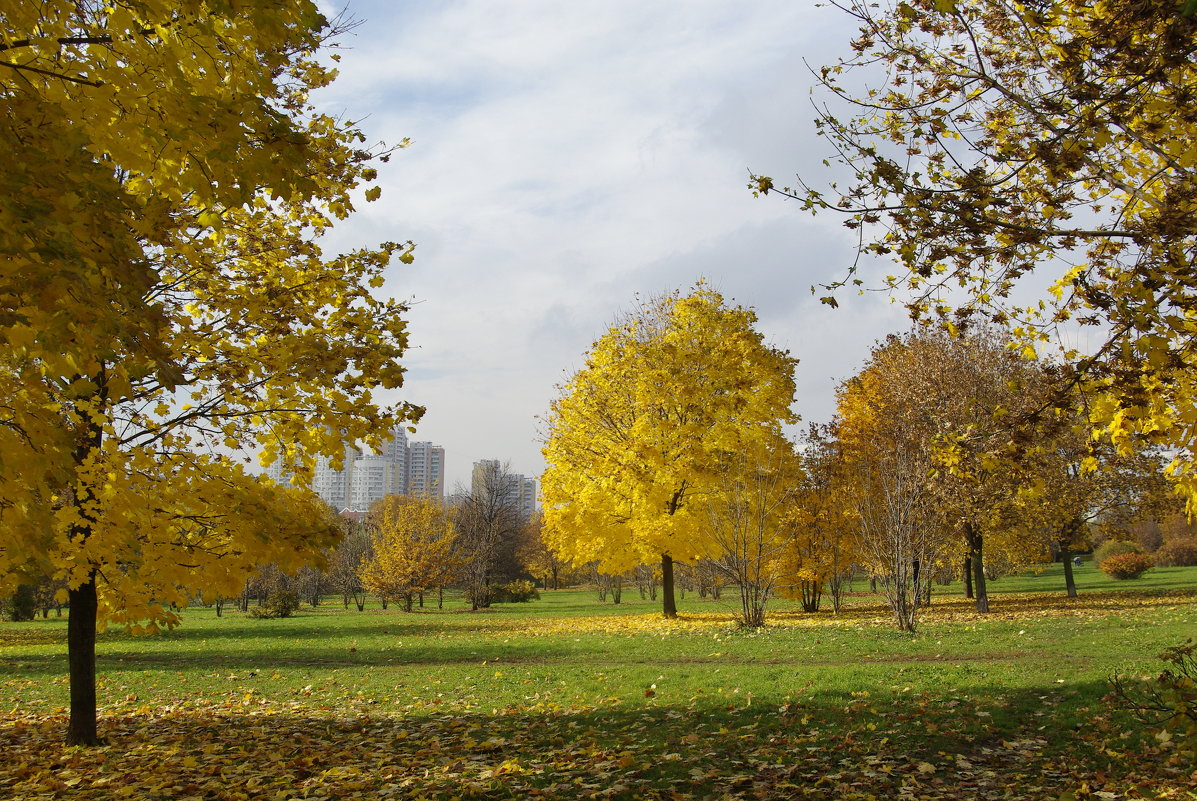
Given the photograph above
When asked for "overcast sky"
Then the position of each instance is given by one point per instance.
(568, 155)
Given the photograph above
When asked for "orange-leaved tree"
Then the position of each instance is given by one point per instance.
(636, 437)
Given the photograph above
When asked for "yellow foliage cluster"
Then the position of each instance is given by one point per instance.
(414, 545)
(164, 182)
(638, 438)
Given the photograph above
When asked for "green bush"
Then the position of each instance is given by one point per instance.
(1181, 552)
(1125, 566)
(515, 592)
(283, 603)
(1114, 548)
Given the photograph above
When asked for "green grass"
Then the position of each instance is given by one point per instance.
(590, 684)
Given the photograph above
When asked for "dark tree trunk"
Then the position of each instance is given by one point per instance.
(976, 545)
(1066, 555)
(968, 577)
(440, 597)
(421, 596)
(84, 599)
(617, 590)
(81, 655)
(668, 602)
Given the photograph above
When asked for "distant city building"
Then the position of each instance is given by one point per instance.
(400, 469)
(426, 470)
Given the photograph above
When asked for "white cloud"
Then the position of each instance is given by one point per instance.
(567, 156)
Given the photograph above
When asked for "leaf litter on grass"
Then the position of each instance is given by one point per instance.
(246, 747)
(241, 746)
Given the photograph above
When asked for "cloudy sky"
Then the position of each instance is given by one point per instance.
(567, 156)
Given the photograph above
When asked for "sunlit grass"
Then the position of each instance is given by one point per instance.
(628, 685)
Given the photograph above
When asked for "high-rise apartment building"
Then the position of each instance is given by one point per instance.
(426, 470)
(365, 477)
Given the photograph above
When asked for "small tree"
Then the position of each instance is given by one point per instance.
(488, 525)
(537, 558)
(345, 561)
(414, 549)
(748, 506)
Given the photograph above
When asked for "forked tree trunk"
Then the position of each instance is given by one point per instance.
(81, 656)
(668, 602)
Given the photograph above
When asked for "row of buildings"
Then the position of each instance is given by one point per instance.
(405, 468)
(402, 468)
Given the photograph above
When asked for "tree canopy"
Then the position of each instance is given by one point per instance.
(164, 181)
(638, 434)
(1003, 147)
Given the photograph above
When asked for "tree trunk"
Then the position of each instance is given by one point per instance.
(440, 597)
(968, 577)
(1066, 555)
(976, 544)
(81, 655)
(669, 603)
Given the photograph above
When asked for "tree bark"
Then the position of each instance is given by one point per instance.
(668, 602)
(1066, 555)
(81, 656)
(976, 545)
(968, 577)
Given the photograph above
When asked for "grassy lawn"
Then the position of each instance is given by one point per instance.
(567, 697)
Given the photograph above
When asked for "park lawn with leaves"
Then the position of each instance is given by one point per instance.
(567, 697)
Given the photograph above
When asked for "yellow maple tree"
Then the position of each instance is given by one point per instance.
(640, 431)
(164, 181)
(414, 548)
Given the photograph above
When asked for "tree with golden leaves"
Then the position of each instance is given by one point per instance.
(941, 432)
(414, 549)
(164, 183)
(1001, 144)
(822, 552)
(636, 437)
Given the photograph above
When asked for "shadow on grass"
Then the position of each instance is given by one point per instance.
(813, 747)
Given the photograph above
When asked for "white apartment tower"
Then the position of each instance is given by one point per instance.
(368, 476)
(426, 470)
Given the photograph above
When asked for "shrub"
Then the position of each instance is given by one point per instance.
(1180, 552)
(1125, 566)
(283, 603)
(1114, 548)
(515, 592)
